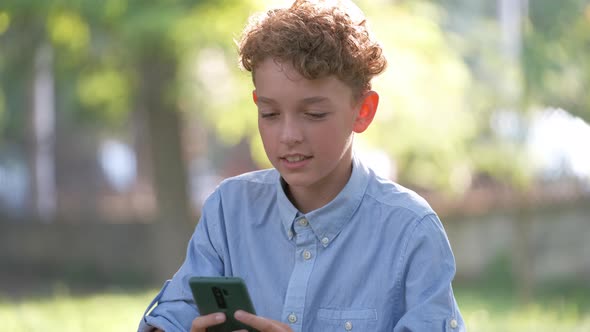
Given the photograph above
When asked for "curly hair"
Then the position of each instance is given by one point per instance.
(318, 39)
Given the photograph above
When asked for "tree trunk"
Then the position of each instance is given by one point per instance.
(41, 136)
(157, 78)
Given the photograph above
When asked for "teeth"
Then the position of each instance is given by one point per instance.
(295, 159)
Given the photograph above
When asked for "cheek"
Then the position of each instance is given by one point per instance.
(266, 134)
(337, 130)
(331, 139)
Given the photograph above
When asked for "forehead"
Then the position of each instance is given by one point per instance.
(275, 79)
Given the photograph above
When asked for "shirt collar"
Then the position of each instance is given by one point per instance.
(287, 210)
(328, 221)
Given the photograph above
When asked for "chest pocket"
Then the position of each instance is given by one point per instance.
(346, 320)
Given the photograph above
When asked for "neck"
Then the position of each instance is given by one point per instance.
(307, 199)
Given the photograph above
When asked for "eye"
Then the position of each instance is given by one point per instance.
(268, 115)
(316, 115)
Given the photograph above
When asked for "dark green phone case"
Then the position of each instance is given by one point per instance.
(222, 294)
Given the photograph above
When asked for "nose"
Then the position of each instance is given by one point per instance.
(291, 131)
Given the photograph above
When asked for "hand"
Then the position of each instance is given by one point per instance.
(201, 323)
(260, 323)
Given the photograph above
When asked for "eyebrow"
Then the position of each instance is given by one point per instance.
(315, 100)
(265, 100)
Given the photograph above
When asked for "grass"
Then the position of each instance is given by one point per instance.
(556, 308)
(499, 310)
(107, 311)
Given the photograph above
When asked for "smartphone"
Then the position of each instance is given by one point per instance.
(222, 294)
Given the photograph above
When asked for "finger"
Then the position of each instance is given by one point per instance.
(257, 322)
(201, 323)
(284, 326)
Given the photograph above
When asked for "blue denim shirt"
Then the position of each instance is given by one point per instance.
(376, 258)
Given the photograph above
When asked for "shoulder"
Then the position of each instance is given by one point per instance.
(261, 177)
(406, 211)
(243, 191)
(390, 195)
(248, 184)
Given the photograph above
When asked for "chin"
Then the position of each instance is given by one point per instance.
(296, 180)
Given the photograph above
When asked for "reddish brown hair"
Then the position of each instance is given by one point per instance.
(318, 40)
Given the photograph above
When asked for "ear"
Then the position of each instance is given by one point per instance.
(254, 97)
(367, 111)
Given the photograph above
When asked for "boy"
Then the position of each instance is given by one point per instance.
(322, 243)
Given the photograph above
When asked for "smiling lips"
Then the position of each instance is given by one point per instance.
(295, 160)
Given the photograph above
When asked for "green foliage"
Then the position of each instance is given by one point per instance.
(99, 43)
(106, 91)
(555, 59)
(503, 161)
(423, 120)
(68, 29)
(4, 22)
(213, 88)
(554, 70)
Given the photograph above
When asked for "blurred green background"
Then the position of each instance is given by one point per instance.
(118, 117)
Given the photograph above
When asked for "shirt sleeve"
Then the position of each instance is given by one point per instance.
(174, 309)
(426, 281)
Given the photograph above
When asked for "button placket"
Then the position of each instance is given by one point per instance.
(306, 243)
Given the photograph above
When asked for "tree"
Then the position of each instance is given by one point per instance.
(556, 55)
(27, 78)
(121, 56)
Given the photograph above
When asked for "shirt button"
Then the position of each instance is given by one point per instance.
(325, 241)
(348, 326)
(303, 222)
(292, 318)
(454, 323)
(306, 254)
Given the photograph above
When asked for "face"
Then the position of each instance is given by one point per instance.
(306, 126)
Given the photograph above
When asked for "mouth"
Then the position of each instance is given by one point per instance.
(295, 158)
